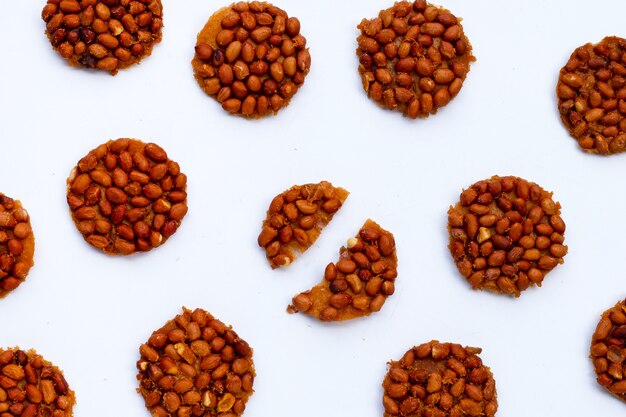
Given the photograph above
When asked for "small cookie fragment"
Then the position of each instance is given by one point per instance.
(252, 58)
(31, 386)
(506, 234)
(296, 218)
(17, 244)
(592, 93)
(127, 196)
(195, 365)
(359, 283)
(440, 379)
(413, 57)
(107, 35)
(608, 350)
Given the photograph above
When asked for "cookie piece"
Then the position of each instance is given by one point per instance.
(103, 34)
(591, 92)
(506, 234)
(252, 58)
(608, 350)
(195, 365)
(440, 379)
(127, 196)
(296, 218)
(359, 283)
(17, 244)
(413, 57)
(31, 386)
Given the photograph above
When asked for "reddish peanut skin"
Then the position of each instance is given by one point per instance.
(413, 57)
(359, 283)
(443, 379)
(506, 234)
(251, 58)
(591, 92)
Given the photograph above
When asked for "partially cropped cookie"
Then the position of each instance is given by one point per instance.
(591, 92)
(127, 196)
(413, 57)
(30, 386)
(359, 283)
(442, 380)
(506, 234)
(296, 218)
(608, 350)
(17, 244)
(251, 58)
(104, 34)
(195, 365)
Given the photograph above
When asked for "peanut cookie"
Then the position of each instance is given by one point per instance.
(252, 58)
(413, 57)
(359, 283)
(17, 244)
(127, 196)
(195, 365)
(506, 234)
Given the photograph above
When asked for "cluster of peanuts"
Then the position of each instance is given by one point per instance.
(608, 350)
(256, 61)
(506, 234)
(413, 57)
(16, 244)
(195, 365)
(127, 196)
(103, 34)
(440, 380)
(30, 386)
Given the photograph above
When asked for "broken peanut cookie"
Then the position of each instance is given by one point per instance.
(296, 218)
(31, 386)
(17, 244)
(359, 283)
(608, 350)
(127, 196)
(506, 234)
(195, 365)
(442, 380)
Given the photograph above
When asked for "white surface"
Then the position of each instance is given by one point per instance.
(88, 313)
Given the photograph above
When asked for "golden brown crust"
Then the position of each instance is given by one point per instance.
(127, 196)
(104, 35)
(359, 283)
(591, 92)
(17, 244)
(414, 57)
(296, 218)
(32, 386)
(195, 365)
(506, 234)
(252, 58)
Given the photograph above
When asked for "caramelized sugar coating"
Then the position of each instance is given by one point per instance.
(608, 350)
(296, 218)
(442, 380)
(359, 283)
(506, 234)
(592, 93)
(17, 244)
(195, 365)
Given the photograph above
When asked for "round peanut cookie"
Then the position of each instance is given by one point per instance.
(252, 58)
(592, 93)
(17, 244)
(439, 380)
(31, 386)
(413, 57)
(127, 196)
(104, 34)
(608, 350)
(195, 365)
(506, 234)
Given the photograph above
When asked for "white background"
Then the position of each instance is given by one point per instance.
(88, 312)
